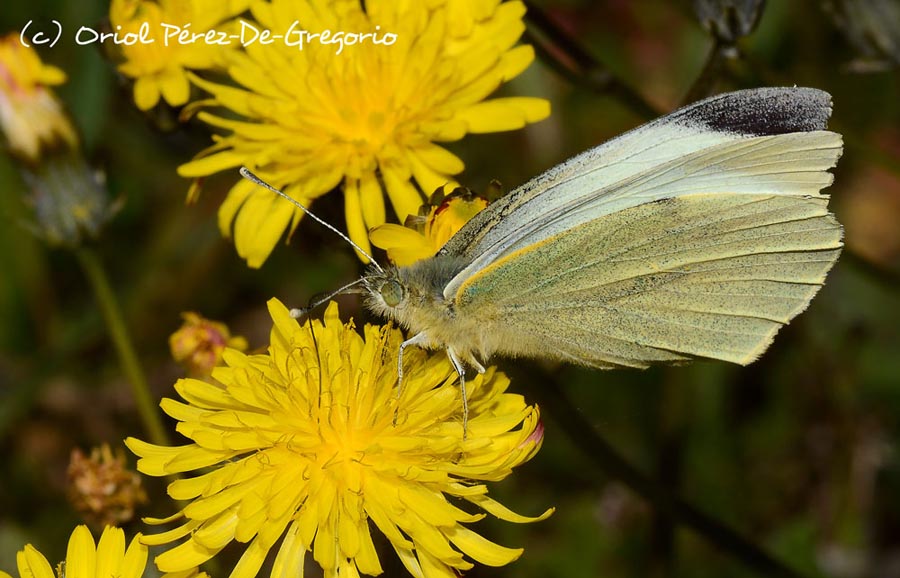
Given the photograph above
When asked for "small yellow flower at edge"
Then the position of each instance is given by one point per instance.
(85, 560)
(68, 201)
(199, 343)
(407, 244)
(299, 447)
(31, 116)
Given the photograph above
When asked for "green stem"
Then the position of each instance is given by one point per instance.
(112, 314)
(702, 86)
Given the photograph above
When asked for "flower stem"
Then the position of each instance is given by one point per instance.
(583, 435)
(118, 332)
(562, 53)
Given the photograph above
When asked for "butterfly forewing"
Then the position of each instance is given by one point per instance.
(755, 141)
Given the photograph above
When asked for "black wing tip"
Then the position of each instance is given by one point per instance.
(763, 111)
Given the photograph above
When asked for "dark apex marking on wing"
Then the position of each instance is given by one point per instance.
(763, 111)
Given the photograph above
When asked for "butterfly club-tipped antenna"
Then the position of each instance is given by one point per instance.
(297, 313)
(245, 172)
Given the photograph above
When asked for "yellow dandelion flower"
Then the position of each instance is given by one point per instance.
(422, 237)
(84, 559)
(159, 67)
(199, 343)
(31, 116)
(366, 119)
(301, 445)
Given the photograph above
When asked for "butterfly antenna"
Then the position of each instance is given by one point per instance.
(245, 172)
(297, 313)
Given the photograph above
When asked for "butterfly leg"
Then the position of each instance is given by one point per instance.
(461, 371)
(419, 339)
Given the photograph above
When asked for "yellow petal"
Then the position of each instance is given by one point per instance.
(384, 522)
(216, 531)
(433, 566)
(348, 536)
(185, 556)
(481, 549)
(411, 562)
(260, 223)
(135, 559)
(251, 561)
(174, 86)
(429, 180)
(32, 563)
(439, 159)
(146, 92)
(514, 62)
(403, 195)
(372, 200)
(232, 204)
(110, 552)
(81, 554)
(502, 114)
(170, 535)
(211, 164)
(356, 227)
(324, 547)
(367, 558)
(162, 461)
(291, 555)
(404, 246)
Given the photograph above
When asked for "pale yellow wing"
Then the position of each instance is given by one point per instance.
(706, 275)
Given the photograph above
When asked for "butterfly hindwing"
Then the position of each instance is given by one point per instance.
(707, 275)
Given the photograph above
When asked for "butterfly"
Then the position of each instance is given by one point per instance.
(697, 235)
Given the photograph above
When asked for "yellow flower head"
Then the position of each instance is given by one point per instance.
(199, 343)
(302, 444)
(159, 67)
(85, 560)
(68, 200)
(423, 236)
(366, 118)
(31, 116)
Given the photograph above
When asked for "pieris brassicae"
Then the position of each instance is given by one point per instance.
(697, 235)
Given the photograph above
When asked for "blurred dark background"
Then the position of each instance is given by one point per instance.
(797, 452)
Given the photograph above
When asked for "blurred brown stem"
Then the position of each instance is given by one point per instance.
(702, 86)
(558, 50)
(569, 418)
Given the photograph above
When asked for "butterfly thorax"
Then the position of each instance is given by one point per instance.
(413, 297)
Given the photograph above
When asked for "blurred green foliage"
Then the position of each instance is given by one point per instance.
(798, 452)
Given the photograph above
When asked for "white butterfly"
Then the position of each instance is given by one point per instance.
(698, 235)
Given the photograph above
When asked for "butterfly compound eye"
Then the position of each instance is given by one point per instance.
(392, 292)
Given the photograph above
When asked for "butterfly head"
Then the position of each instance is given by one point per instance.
(386, 293)
(412, 295)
